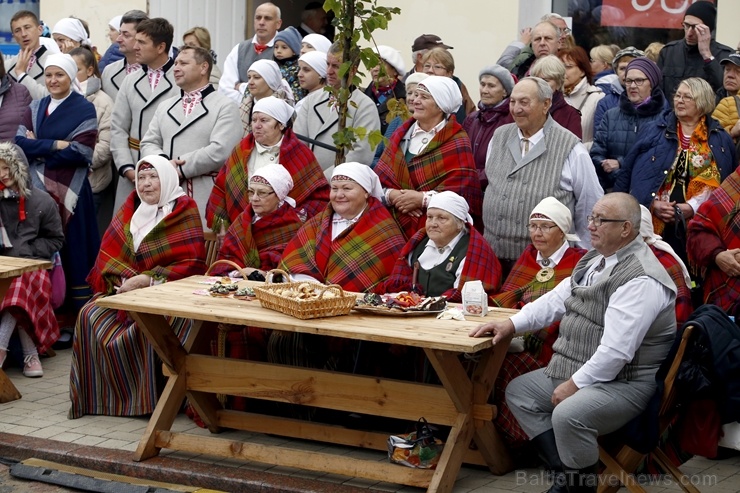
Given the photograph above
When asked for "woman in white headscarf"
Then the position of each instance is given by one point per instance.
(264, 80)
(441, 257)
(155, 237)
(354, 242)
(256, 239)
(543, 264)
(311, 73)
(271, 141)
(70, 33)
(315, 42)
(673, 265)
(428, 154)
(58, 134)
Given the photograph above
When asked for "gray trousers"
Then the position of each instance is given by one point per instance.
(592, 411)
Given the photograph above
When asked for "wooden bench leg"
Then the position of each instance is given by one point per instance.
(8, 392)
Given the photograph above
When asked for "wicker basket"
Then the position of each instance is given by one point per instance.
(319, 307)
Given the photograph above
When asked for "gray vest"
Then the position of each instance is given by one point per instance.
(516, 185)
(247, 56)
(582, 326)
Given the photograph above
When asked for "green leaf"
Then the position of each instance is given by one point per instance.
(375, 137)
(333, 6)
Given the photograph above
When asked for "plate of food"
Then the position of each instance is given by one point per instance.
(403, 304)
(228, 288)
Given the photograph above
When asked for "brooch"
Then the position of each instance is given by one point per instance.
(545, 274)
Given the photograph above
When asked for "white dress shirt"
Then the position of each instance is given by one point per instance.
(555, 258)
(632, 309)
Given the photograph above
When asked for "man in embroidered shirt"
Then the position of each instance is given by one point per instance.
(555, 164)
(28, 67)
(617, 323)
(197, 129)
(137, 100)
(115, 72)
(267, 21)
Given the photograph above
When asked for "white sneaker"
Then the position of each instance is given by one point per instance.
(32, 366)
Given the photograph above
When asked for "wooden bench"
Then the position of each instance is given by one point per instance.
(461, 402)
(11, 268)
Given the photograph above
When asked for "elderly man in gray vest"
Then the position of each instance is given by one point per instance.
(267, 21)
(527, 161)
(617, 323)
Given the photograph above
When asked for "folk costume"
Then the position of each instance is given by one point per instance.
(31, 228)
(113, 366)
(200, 128)
(446, 163)
(63, 174)
(714, 229)
(135, 106)
(33, 76)
(229, 195)
(471, 256)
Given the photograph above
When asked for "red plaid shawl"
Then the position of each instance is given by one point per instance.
(29, 300)
(229, 196)
(684, 307)
(447, 163)
(481, 264)
(359, 259)
(259, 245)
(521, 288)
(714, 229)
(174, 249)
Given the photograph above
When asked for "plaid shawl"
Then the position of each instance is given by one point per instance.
(174, 249)
(481, 264)
(359, 259)
(714, 229)
(229, 196)
(521, 288)
(259, 245)
(684, 307)
(446, 164)
(62, 173)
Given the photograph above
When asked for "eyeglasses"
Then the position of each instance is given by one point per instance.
(259, 195)
(598, 221)
(544, 228)
(429, 66)
(565, 31)
(683, 97)
(637, 82)
(688, 27)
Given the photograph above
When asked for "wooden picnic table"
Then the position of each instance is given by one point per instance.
(461, 402)
(10, 268)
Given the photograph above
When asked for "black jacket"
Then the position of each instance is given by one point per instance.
(679, 61)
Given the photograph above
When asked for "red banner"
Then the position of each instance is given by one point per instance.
(663, 14)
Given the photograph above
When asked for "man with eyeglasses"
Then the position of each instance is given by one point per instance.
(727, 112)
(617, 323)
(697, 54)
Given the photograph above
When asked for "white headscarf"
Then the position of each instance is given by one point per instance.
(454, 204)
(66, 63)
(392, 57)
(362, 174)
(73, 29)
(415, 78)
(115, 22)
(146, 215)
(444, 91)
(278, 178)
(648, 234)
(270, 71)
(319, 42)
(558, 213)
(316, 60)
(275, 107)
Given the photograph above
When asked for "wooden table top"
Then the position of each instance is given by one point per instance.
(15, 266)
(178, 299)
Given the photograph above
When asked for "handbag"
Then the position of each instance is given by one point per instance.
(419, 449)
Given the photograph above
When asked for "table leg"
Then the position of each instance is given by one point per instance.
(163, 416)
(4, 285)
(8, 392)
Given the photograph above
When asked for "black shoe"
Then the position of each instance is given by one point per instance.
(584, 480)
(547, 450)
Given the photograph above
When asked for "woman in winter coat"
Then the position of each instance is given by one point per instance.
(579, 89)
(641, 104)
(15, 100)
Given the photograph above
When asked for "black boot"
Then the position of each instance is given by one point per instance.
(547, 450)
(584, 480)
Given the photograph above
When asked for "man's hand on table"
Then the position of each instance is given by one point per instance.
(499, 329)
(563, 391)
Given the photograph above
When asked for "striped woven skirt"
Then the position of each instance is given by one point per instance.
(113, 365)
